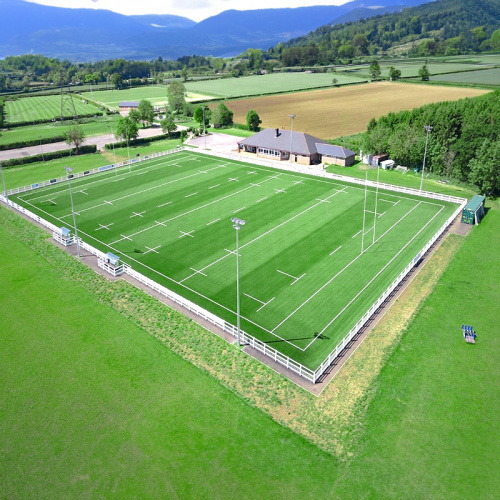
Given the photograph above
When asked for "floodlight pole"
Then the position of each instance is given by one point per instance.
(376, 204)
(204, 129)
(237, 224)
(113, 145)
(428, 129)
(69, 170)
(291, 135)
(4, 184)
(364, 216)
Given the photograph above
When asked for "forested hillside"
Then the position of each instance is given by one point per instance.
(464, 143)
(446, 27)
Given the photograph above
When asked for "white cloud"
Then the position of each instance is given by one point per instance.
(193, 9)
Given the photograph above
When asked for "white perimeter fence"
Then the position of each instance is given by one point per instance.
(307, 373)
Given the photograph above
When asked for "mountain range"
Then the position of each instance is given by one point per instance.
(87, 34)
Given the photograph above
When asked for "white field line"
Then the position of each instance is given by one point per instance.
(164, 204)
(239, 210)
(262, 199)
(264, 304)
(212, 187)
(138, 214)
(123, 174)
(295, 279)
(188, 212)
(151, 249)
(373, 279)
(187, 234)
(340, 272)
(127, 238)
(260, 236)
(104, 226)
(141, 191)
(280, 191)
(336, 250)
(52, 201)
(233, 179)
(213, 222)
(359, 232)
(197, 271)
(160, 223)
(380, 215)
(189, 195)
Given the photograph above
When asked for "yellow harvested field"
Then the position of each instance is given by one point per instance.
(340, 111)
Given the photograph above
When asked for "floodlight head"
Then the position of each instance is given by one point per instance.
(68, 170)
(238, 222)
(428, 128)
(291, 116)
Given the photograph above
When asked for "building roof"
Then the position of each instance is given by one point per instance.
(335, 151)
(475, 202)
(129, 104)
(302, 144)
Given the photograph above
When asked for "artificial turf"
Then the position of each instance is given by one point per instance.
(304, 281)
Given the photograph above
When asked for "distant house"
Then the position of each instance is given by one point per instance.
(127, 106)
(306, 150)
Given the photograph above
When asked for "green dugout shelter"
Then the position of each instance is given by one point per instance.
(473, 212)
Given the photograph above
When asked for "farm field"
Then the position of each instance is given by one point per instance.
(342, 111)
(300, 251)
(268, 84)
(156, 94)
(43, 108)
(99, 126)
(487, 77)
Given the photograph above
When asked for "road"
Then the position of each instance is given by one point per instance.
(99, 141)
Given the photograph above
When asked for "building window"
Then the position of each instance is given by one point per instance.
(269, 152)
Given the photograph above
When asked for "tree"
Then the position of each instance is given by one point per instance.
(424, 73)
(361, 44)
(199, 115)
(184, 73)
(484, 169)
(394, 74)
(335, 82)
(116, 80)
(222, 116)
(75, 135)
(175, 95)
(146, 111)
(26, 83)
(168, 124)
(126, 129)
(375, 70)
(253, 121)
(134, 115)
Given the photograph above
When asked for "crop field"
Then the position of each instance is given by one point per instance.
(342, 111)
(487, 76)
(308, 272)
(268, 84)
(43, 108)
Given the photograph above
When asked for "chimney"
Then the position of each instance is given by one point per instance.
(277, 132)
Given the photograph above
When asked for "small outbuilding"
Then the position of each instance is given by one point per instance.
(473, 212)
(127, 106)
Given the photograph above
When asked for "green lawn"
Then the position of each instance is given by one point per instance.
(44, 108)
(157, 94)
(33, 132)
(487, 77)
(267, 84)
(94, 407)
(300, 250)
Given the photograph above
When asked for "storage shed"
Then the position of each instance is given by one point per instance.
(473, 212)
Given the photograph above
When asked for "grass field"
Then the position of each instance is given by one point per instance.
(343, 111)
(43, 108)
(98, 126)
(487, 77)
(300, 252)
(268, 84)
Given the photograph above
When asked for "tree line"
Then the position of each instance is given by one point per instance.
(464, 143)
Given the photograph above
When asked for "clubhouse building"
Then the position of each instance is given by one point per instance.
(276, 144)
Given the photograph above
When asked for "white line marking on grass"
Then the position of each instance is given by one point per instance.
(359, 232)
(196, 271)
(373, 279)
(229, 251)
(254, 185)
(160, 223)
(252, 172)
(127, 238)
(336, 250)
(264, 304)
(104, 226)
(212, 187)
(298, 182)
(213, 222)
(142, 173)
(52, 201)
(118, 180)
(105, 201)
(203, 172)
(340, 272)
(233, 179)
(239, 210)
(295, 279)
(323, 201)
(83, 191)
(380, 215)
(186, 234)
(138, 214)
(188, 195)
(262, 199)
(164, 204)
(279, 191)
(151, 249)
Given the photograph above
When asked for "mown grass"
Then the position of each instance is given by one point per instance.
(414, 431)
(34, 132)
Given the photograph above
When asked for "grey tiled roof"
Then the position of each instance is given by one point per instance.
(302, 144)
(129, 104)
(335, 151)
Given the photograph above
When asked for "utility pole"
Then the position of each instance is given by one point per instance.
(291, 135)
(68, 171)
(237, 224)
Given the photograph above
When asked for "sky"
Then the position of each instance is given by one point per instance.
(196, 10)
